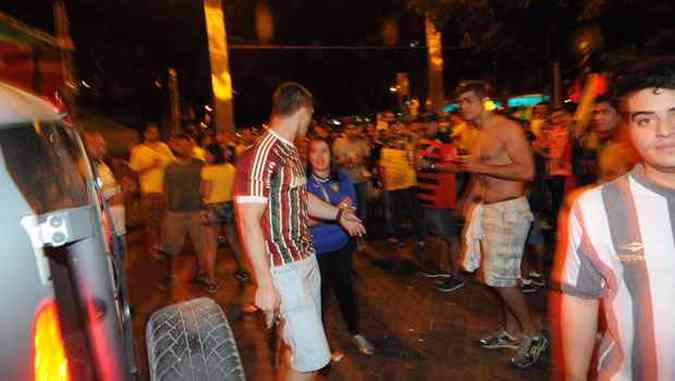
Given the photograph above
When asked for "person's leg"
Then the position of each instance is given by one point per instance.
(325, 264)
(206, 259)
(152, 226)
(416, 214)
(510, 321)
(362, 200)
(344, 287)
(299, 287)
(173, 238)
(388, 216)
(233, 237)
(514, 303)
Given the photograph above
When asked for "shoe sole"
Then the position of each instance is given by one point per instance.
(429, 275)
(513, 347)
(457, 287)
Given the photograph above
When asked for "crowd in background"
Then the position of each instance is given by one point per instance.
(386, 170)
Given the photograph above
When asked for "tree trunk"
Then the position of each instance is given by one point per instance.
(221, 81)
(435, 63)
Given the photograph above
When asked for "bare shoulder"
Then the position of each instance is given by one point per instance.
(507, 129)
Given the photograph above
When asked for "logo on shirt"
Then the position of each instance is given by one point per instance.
(631, 252)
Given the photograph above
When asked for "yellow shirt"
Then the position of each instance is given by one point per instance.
(221, 178)
(143, 156)
(398, 170)
(199, 153)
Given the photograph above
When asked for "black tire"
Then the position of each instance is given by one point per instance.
(192, 341)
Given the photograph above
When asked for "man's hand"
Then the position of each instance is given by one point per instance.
(268, 300)
(465, 164)
(351, 223)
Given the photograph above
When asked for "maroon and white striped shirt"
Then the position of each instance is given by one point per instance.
(271, 172)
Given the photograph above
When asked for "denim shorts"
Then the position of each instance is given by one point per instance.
(221, 213)
(299, 286)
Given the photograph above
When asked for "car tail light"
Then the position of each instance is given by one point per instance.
(50, 362)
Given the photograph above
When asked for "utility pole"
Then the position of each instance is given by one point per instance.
(221, 80)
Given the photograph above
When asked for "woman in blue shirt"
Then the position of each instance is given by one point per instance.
(333, 245)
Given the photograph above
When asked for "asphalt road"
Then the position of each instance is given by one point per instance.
(419, 333)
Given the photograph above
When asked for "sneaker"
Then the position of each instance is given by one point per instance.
(537, 278)
(364, 346)
(498, 340)
(530, 351)
(200, 278)
(434, 274)
(242, 276)
(451, 284)
(528, 287)
(336, 356)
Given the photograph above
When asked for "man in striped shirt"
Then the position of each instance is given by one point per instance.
(619, 251)
(273, 210)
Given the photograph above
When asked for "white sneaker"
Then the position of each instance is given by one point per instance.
(336, 356)
(364, 346)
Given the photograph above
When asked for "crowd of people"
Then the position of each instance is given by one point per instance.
(497, 189)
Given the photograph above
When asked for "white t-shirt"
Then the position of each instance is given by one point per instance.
(110, 188)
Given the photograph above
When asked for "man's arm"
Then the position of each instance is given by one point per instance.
(322, 210)
(521, 167)
(579, 322)
(141, 165)
(253, 243)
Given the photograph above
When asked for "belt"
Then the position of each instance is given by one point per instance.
(503, 200)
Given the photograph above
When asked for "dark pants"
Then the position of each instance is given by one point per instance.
(397, 204)
(336, 274)
(362, 200)
(556, 185)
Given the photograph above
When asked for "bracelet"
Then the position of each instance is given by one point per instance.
(338, 215)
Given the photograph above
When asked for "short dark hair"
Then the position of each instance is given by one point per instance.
(289, 97)
(607, 97)
(217, 153)
(655, 73)
(480, 88)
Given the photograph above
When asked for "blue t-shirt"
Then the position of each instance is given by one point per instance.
(329, 235)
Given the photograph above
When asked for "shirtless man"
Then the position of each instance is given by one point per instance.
(502, 165)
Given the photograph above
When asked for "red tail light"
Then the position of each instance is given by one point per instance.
(50, 362)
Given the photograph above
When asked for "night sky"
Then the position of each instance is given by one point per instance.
(123, 46)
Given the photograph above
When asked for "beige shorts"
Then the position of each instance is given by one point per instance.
(505, 228)
(176, 225)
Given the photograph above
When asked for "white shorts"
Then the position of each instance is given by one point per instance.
(299, 286)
